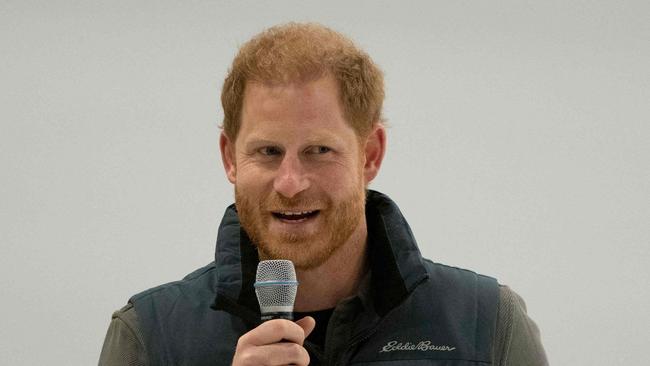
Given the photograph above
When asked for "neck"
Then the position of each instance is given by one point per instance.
(325, 286)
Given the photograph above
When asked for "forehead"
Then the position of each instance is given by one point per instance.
(285, 107)
(306, 97)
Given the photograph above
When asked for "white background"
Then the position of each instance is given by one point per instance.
(519, 147)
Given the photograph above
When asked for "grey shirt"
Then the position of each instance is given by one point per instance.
(516, 342)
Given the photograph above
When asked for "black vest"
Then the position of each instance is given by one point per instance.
(410, 310)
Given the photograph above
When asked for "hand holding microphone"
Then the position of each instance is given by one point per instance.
(277, 341)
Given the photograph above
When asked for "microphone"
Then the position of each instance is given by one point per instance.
(276, 287)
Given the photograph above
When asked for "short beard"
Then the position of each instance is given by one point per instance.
(305, 251)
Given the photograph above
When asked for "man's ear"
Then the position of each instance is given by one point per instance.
(375, 147)
(227, 148)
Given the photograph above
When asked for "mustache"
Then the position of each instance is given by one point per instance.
(275, 202)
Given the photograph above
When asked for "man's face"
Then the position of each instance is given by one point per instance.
(298, 170)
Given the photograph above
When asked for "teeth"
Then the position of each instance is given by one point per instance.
(296, 213)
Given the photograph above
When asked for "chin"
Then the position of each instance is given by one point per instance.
(305, 255)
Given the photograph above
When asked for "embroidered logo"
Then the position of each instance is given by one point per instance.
(422, 346)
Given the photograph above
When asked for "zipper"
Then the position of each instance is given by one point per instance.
(360, 338)
(366, 334)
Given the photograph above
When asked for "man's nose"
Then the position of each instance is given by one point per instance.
(291, 178)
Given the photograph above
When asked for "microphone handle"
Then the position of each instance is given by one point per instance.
(277, 315)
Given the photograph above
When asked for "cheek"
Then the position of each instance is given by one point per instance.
(340, 178)
(250, 175)
(251, 188)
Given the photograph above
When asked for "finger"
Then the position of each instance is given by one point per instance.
(274, 331)
(283, 353)
(307, 324)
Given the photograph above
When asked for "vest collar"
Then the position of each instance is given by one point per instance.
(395, 261)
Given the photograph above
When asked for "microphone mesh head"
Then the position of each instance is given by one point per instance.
(276, 286)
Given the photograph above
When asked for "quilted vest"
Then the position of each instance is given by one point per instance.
(410, 311)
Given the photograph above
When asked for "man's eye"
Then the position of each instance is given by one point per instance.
(318, 150)
(270, 150)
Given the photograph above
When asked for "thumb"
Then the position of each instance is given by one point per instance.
(307, 324)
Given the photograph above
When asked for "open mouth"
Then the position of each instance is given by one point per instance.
(295, 216)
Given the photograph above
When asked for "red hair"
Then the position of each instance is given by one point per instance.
(297, 52)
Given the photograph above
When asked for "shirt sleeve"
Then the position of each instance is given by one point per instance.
(517, 337)
(123, 344)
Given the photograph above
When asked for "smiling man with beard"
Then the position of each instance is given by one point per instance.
(302, 139)
(296, 166)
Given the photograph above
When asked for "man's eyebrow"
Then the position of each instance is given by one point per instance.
(319, 139)
(326, 138)
(259, 142)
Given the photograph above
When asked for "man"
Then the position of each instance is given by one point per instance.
(302, 139)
